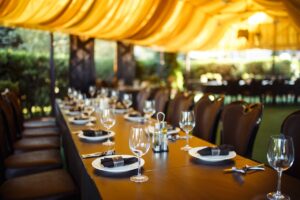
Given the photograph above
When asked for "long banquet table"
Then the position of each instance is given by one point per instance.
(172, 175)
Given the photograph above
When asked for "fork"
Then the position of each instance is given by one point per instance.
(98, 154)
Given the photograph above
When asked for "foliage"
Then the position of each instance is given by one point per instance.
(9, 38)
(31, 73)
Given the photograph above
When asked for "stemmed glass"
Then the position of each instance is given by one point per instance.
(187, 123)
(92, 91)
(139, 144)
(149, 108)
(280, 157)
(127, 100)
(103, 92)
(108, 120)
(114, 97)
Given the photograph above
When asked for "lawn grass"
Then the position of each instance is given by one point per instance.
(273, 117)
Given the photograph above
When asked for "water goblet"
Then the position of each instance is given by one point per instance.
(139, 144)
(92, 91)
(114, 96)
(108, 120)
(149, 108)
(280, 157)
(187, 123)
(127, 100)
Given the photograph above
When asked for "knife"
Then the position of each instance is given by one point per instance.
(98, 154)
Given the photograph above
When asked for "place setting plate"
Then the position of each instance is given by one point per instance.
(81, 121)
(194, 153)
(72, 113)
(95, 138)
(98, 166)
(134, 118)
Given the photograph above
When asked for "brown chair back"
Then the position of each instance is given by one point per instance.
(161, 99)
(15, 104)
(9, 120)
(240, 123)
(291, 127)
(207, 113)
(141, 97)
(181, 102)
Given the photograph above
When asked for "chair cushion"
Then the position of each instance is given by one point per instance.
(32, 162)
(37, 143)
(36, 132)
(41, 122)
(51, 184)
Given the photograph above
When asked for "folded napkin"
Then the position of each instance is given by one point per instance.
(75, 109)
(117, 161)
(135, 114)
(120, 106)
(81, 118)
(221, 150)
(94, 133)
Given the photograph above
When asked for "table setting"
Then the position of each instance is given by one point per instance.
(131, 159)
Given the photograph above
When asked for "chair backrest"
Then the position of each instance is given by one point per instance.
(161, 98)
(291, 127)
(240, 123)
(207, 113)
(9, 120)
(141, 97)
(181, 102)
(14, 102)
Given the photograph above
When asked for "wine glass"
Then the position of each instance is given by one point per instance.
(280, 157)
(108, 120)
(149, 108)
(139, 144)
(114, 96)
(103, 92)
(92, 91)
(187, 123)
(127, 100)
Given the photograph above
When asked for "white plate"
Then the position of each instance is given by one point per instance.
(193, 153)
(72, 113)
(82, 121)
(97, 165)
(96, 138)
(169, 132)
(134, 119)
(120, 111)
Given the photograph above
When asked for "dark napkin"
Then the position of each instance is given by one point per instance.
(118, 161)
(120, 106)
(223, 150)
(81, 118)
(135, 114)
(94, 133)
(171, 128)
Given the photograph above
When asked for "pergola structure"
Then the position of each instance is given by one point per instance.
(167, 25)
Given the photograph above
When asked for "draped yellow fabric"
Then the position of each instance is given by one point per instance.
(167, 25)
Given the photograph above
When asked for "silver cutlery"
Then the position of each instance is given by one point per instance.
(246, 169)
(98, 154)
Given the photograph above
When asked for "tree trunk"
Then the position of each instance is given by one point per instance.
(82, 71)
(126, 65)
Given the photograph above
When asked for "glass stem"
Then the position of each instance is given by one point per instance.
(187, 138)
(278, 192)
(139, 168)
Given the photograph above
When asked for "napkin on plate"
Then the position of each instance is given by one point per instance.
(117, 161)
(94, 133)
(81, 118)
(135, 114)
(222, 150)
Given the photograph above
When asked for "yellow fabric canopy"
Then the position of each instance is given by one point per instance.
(167, 25)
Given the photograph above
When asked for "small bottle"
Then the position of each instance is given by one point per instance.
(164, 130)
(156, 138)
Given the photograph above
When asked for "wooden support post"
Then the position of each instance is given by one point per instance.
(82, 72)
(126, 65)
(52, 74)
